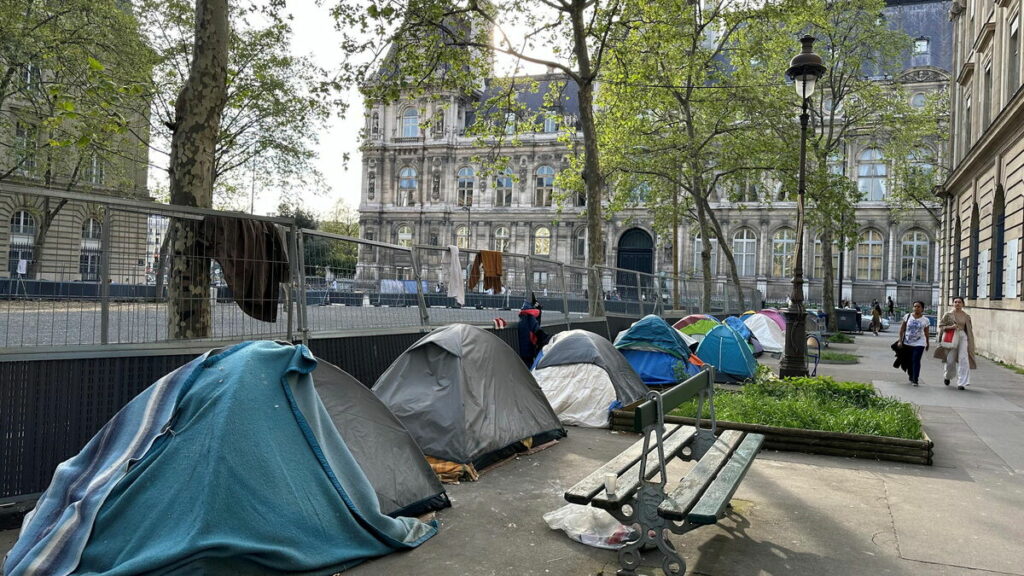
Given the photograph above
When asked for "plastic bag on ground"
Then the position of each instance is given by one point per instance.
(590, 526)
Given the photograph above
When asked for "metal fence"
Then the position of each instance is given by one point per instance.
(86, 270)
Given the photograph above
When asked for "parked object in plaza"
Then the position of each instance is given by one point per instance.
(584, 377)
(133, 497)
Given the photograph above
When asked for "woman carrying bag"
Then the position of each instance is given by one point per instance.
(959, 358)
(914, 335)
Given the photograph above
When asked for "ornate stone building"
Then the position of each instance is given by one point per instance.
(983, 228)
(423, 184)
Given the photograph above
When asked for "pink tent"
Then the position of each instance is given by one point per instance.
(776, 316)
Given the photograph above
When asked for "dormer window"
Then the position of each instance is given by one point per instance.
(920, 46)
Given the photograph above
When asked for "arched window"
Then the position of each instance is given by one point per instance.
(89, 260)
(998, 244)
(783, 252)
(579, 244)
(869, 256)
(698, 264)
(542, 241)
(462, 236)
(465, 187)
(502, 239)
(871, 175)
(405, 235)
(972, 289)
(744, 251)
(23, 239)
(545, 186)
(503, 185)
(819, 268)
(914, 257)
(407, 185)
(411, 123)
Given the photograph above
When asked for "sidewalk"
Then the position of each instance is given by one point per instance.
(794, 514)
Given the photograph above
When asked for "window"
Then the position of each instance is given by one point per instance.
(371, 184)
(974, 247)
(94, 170)
(698, 263)
(920, 46)
(25, 145)
(407, 185)
(783, 252)
(545, 178)
(510, 123)
(465, 187)
(502, 239)
(744, 251)
(550, 124)
(747, 189)
(411, 123)
(986, 97)
(23, 238)
(542, 241)
(405, 235)
(914, 257)
(819, 259)
(1013, 59)
(579, 244)
(869, 256)
(967, 135)
(89, 260)
(871, 174)
(462, 236)
(998, 243)
(30, 77)
(503, 184)
(918, 100)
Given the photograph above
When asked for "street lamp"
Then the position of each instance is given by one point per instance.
(804, 70)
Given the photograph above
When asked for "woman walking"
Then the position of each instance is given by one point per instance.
(959, 360)
(876, 318)
(914, 335)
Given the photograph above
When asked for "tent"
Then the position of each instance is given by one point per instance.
(738, 325)
(776, 317)
(228, 465)
(393, 463)
(729, 353)
(583, 376)
(654, 349)
(696, 325)
(467, 399)
(767, 332)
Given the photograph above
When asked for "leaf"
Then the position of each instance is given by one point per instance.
(95, 65)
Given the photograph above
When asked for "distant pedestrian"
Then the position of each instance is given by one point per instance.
(959, 359)
(876, 318)
(891, 308)
(914, 335)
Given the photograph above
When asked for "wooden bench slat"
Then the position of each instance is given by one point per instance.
(691, 487)
(646, 414)
(712, 505)
(629, 480)
(586, 489)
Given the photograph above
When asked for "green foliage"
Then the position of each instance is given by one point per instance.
(840, 338)
(839, 357)
(816, 404)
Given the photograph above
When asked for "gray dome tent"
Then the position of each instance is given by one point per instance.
(583, 375)
(467, 398)
(390, 458)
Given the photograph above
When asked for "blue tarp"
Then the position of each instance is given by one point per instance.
(229, 464)
(653, 349)
(738, 325)
(728, 352)
(657, 368)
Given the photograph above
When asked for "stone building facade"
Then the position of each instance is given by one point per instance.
(983, 228)
(422, 184)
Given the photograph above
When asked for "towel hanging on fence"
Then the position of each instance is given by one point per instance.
(492, 265)
(456, 289)
(254, 259)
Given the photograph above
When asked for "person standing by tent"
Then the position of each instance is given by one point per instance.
(914, 335)
(530, 334)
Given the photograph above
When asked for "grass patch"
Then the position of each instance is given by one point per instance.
(1009, 366)
(839, 357)
(840, 338)
(818, 403)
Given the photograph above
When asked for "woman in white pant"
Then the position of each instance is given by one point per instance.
(960, 360)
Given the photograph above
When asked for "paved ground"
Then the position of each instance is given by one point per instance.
(794, 514)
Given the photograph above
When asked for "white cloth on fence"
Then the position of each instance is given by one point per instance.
(456, 285)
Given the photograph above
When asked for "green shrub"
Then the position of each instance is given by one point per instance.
(818, 403)
(839, 356)
(840, 338)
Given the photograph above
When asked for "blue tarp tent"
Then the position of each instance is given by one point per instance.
(653, 349)
(729, 353)
(228, 465)
(738, 325)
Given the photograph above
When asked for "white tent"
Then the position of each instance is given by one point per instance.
(767, 332)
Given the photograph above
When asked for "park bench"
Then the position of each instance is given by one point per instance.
(654, 506)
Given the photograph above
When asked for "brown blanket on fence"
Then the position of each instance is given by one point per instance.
(492, 265)
(254, 260)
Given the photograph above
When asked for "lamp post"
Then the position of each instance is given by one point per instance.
(804, 69)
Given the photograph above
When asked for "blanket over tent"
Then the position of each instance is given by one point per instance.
(229, 464)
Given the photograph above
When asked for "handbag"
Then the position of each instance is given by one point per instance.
(949, 338)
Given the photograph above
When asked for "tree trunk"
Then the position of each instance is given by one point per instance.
(723, 245)
(39, 243)
(197, 120)
(828, 301)
(705, 258)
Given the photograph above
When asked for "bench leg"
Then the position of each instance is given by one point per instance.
(653, 533)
